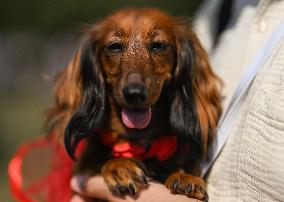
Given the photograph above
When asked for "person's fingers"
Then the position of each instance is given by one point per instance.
(93, 187)
(76, 184)
(88, 186)
(77, 198)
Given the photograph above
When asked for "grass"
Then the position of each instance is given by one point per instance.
(21, 119)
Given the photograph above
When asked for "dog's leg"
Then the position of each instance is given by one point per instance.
(192, 186)
(125, 176)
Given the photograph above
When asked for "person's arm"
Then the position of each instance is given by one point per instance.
(95, 187)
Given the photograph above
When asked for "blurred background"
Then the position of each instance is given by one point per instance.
(37, 39)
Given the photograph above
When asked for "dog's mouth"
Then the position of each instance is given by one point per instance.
(136, 118)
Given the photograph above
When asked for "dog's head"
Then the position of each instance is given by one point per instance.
(131, 56)
(137, 53)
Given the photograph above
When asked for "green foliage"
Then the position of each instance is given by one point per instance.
(55, 15)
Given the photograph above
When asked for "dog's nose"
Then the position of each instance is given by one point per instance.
(135, 94)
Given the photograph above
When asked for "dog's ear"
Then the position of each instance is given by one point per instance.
(80, 95)
(207, 93)
(196, 105)
(68, 95)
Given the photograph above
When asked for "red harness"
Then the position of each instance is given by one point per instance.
(161, 148)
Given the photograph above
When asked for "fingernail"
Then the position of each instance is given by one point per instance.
(75, 184)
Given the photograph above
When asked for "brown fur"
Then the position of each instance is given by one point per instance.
(136, 29)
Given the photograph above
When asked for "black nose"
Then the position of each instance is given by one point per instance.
(135, 94)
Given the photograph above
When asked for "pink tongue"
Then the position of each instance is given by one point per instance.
(136, 119)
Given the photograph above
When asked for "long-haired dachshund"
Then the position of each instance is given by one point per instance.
(141, 92)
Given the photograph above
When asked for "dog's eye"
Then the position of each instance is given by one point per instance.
(158, 46)
(115, 47)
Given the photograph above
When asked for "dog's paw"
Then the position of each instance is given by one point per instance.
(189, 185)
(124, 176)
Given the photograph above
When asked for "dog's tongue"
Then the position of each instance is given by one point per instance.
(136, 118)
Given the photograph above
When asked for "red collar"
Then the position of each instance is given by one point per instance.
(162, 148)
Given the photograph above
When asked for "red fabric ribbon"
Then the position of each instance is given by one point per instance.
(53, 185)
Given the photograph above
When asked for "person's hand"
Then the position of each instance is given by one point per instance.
(95, 187)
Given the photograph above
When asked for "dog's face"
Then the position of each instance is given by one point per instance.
(128, 58)
(137, 57)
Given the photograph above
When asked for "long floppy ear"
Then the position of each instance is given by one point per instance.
(68, 95)
(207, 91)
(85, 105)
(90, 113)
(196, 106)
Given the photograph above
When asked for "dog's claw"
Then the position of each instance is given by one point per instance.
(144, 179)
(206, 198)
(201, 190)
(118, 189)
(175, 184)
(204, 193)
(131, 189)
(188, 188)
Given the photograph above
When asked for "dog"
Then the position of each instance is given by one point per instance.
(141, 93)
